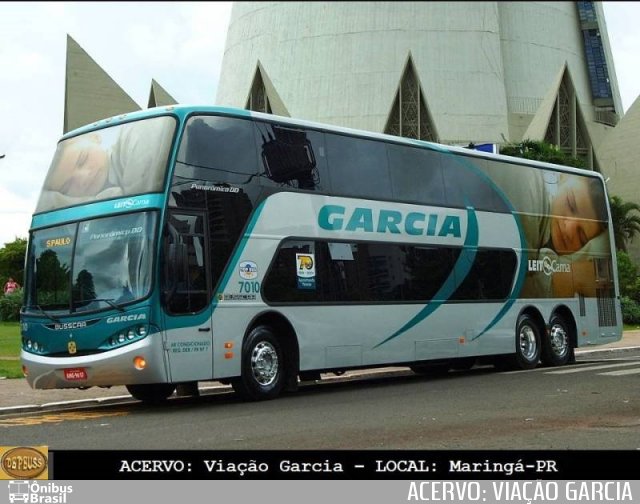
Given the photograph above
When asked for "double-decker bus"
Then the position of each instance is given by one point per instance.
(185, 244)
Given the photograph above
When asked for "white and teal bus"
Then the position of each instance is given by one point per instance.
(179, 244)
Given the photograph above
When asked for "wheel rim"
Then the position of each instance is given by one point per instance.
(559, 340)
(264, 363)
(528, 342)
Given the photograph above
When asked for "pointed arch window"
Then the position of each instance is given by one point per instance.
(566, 126)
(258, 99)
(409, 115)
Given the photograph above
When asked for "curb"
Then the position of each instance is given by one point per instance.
(208, 390)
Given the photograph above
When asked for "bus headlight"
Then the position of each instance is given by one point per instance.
(124, 337)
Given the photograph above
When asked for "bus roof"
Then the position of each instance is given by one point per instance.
(186, 110)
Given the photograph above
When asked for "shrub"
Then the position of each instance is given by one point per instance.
(10, 305)
(630, 310)
(627, 275)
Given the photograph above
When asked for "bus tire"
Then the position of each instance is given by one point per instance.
(528, 342)
(262, 368)
(152, 393)
(557, 348)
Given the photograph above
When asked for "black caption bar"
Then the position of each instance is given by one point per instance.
(344, 464)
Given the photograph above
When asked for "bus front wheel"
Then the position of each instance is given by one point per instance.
(262, 368)
(152, 393)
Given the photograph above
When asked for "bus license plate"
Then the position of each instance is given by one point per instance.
(75, 374)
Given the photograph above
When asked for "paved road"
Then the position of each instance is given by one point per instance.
(17, 396)
(594, 404)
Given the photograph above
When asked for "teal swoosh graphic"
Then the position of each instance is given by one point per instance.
(201, 318)
(236, 257)
(455, 278)
(517, 286)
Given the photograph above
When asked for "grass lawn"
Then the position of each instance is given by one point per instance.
(10, 369)
(10, 366)
(9, 339)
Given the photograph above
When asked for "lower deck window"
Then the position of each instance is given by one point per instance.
(338, 272)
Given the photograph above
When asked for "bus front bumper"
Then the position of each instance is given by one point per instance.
(113, 367)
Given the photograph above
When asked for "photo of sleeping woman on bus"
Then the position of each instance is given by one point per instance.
(113, 162)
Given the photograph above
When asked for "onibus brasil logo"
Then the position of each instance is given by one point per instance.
(38, 492)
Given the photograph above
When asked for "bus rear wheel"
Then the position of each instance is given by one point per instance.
(151, 393)
(262, 368)
(527, 343)
(557, 349)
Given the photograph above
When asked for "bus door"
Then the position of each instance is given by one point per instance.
(186, 293)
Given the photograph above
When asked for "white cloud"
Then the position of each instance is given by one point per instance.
(15, 213)
(180, 44)
(621, 19)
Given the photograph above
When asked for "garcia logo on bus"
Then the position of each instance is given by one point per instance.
(368, 220)
(126, 318)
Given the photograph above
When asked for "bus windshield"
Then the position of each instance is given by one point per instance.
(91, 265)
(118, 161)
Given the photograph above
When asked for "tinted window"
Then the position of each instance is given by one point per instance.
(50, 255)
(383, 272)
(282, 282)
(185, 279)
(217, 149)
(291, 157)
(465, 184)
(490, 277)
(358, 167)
(416, 175)
(427, 269)
(216, 173)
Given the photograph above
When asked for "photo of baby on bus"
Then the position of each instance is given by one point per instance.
(113, 162)
(564, 222)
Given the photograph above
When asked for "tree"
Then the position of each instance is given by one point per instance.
(12, 260)
(627, 274)
(541, 151)
(625, 223)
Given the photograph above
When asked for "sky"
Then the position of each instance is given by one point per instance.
(179, 44)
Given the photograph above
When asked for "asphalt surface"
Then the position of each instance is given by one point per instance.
(16, 396)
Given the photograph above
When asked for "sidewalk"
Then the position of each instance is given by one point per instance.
(16, 395)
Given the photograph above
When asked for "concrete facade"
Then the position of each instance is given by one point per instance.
(619, 155)
(159, 97)
(90, 93)
(485, 71)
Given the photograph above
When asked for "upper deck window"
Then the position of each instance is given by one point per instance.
(113, 162)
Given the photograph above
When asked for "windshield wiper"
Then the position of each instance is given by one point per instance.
(48, 315)
(110, 303)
